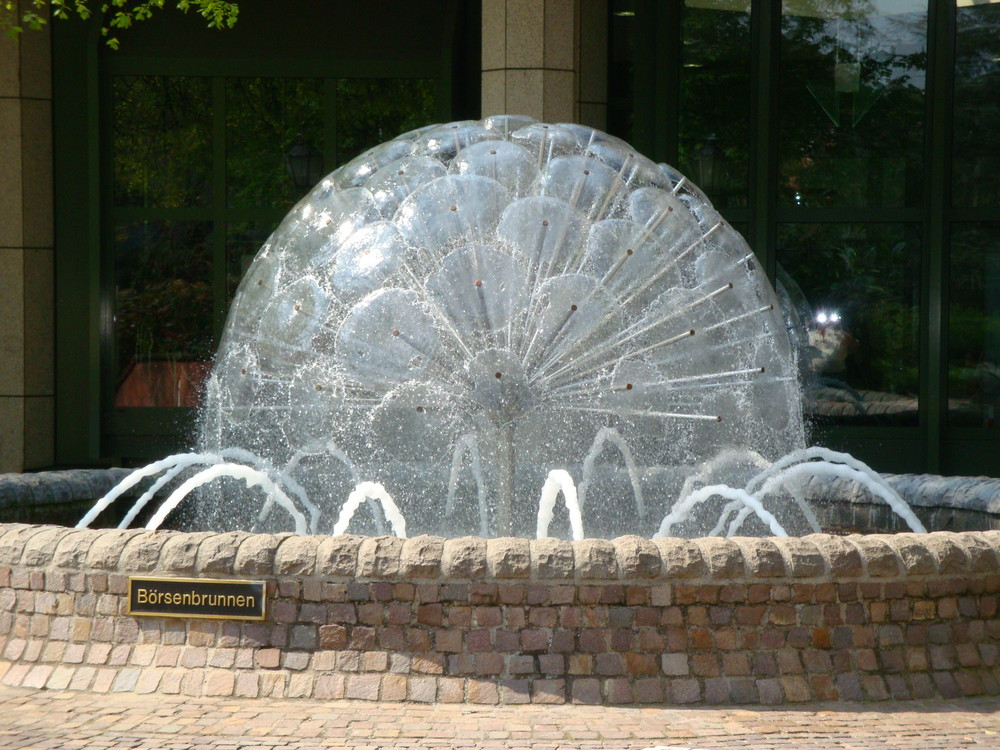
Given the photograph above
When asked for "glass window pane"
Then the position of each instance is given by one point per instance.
(163, 312)
(974, 326)
(852, 102)
(274, 130)
(855, 293)
(715, 98)
(977, 105)
(370, 111)
(162, 147)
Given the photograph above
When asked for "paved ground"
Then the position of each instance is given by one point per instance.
(49, 720)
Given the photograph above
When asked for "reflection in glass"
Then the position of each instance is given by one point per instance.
(267, 119)
(162, 141)
(163, 312)
(977, 105)
(974, 326)
(715, 98)
(852, 102)
(373, 110)
(166, 135)
(854, 296)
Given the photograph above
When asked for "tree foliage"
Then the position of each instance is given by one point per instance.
(115, 14)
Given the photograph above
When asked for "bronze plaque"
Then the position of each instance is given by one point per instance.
(196, 598)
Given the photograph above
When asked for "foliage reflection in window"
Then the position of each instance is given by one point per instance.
(166, 134)
(162, 146)
(163, 312)
(265, 119)
(852, 102)
(974, 326)
(373, 110)
(715, 98)
(977, 106)
(854, 289)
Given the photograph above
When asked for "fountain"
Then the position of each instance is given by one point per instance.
(477, 312)
(500, 299)
(511, 329)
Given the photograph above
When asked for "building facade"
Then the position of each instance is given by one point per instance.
(854, 143)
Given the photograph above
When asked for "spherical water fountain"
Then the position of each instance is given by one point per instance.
(473, 311)
(456, 328)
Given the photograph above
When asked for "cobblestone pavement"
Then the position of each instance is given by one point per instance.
(54, 720)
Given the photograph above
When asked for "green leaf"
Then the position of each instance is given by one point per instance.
(218, 14)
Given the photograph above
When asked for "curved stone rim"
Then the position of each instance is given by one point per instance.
(431, 558)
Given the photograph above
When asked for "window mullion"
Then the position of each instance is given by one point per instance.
(940, 94)
(219, 205)
(331, 158)
(765, 35)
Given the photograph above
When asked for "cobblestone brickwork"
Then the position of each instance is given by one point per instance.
(513, 621)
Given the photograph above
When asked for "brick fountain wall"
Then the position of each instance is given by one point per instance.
(513, 621)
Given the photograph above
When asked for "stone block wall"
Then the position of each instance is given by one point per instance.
(757, 621)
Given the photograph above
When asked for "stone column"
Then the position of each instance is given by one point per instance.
(26, 253)
(546, 59)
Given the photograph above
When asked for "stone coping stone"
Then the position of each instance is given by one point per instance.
(428, 558)
(57, 487)
(980, 494)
